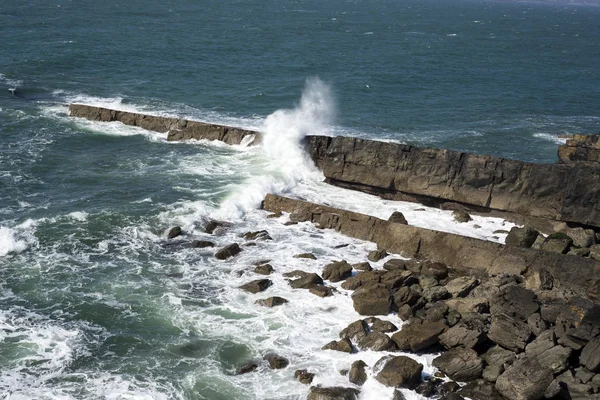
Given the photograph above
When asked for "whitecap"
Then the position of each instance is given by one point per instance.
(550, 137)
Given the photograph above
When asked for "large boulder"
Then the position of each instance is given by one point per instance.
(332, 393)
(557, 243)
(337, 271)
(228, 251)
(462, 286)
(256, 286)
(418, 335)
(377, 341)
(590, 356)
(357, 374)
(510, 333)
(460, 364)
(514, 301)
(526, 379)
(545, 351)
(271, 301)
(467, 333)
(344, 345)
(521, 237)
(401, 371)
(356, 331)
(372, 300)
(361, 279)
(306, 282)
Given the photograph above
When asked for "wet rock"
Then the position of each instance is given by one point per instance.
(356, 331)
(515, 301)
(306, 282)
(447, 387)
(398, 218)
(460, 364)
(377, 255)
(332, 393)
(461, 216)
(246, 368)
(228, 251)
(343, 345)
(401, 371)
(357, 374)
(590, 355)
(304, 376)
(418, 335)
(272, 301)
(264, 269)
(428, 388)
(362, 279)
(212, 226)
(509, 332)
(398, 395)
(372, 300)
(258, 235)
(467, 334)
(275, 361)
(201, 244)
(321, 290)
(257, 286)
(337, 271)
(379, 325)
(521, 237)
(377, 341)
(363, 266)
(462, 286)
(557, 243)
(308, 256)
(526, 379)
(174, 232)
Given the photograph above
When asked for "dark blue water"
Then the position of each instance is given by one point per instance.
(94, 304)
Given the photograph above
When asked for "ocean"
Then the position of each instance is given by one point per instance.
(97, 303)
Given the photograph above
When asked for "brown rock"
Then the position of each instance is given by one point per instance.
(257, 286)
(401, 371)
(372, 300)
(272, 301)
(526, 379)
(460, 364)
(228, 251)
(418, 335)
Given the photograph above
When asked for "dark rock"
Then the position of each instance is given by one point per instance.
(379, 325)
(579, 252)
(590, 356)
(453, 318)
(258, 235)
(357, 374)
(467, 334)
(405, 295)
(306, 282)
(595, 251)
(363, 266)
(511, 333)
(462, 286)
(447, 388)
(405, 312)
(275, 361)
(461, 216)
(246, 368)
(427, 282)
(201, 244)
(435, 312)
(577, 323)
(263, 269)
(398, 395)
(427, 388)
(355, 331)
(521, 237)
(228, 251)
(557, 243)
(212, 226)
(571, 388)
(499, 358)
(515, 301)
(545, 351)
(526, 379)
(435, 269)
(395, 264)
(272, 301)
(337, 271)
(377, 255)
(297, 273)
(321, 290)
(304, 376)
(343, 345)
(377, 341)
(332, 393)
(418, 335)
(397, 217)
(257, 286)
(362, 279)
(460, 364)
(174, 232)
(397, 278)
(536, 324)
(468, 305)
(402, 372)
(372, 300)
(480, 390)
(309, 256)
(436, 293)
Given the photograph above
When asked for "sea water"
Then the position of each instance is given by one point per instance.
(96, 303)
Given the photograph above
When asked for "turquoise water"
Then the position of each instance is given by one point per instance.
(94, 303)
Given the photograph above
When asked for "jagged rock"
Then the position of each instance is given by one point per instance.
(395, 279)
(377, 255)
(536, 324)
(258, 235)
(497, 356)
(435, 269)
(577, 323)
(434, 312)
(514, 301)
(361, 279)
(545, 351)
(246, 368)
(579, 252)
(405, 295)
(344, 345)
(590, 356)
(428, 388)
(581, 237)
(304, 376)
(363, 266)
(557, 243)
(377, 341)
(401, 371)
(332, 393)
(447, 388)
(526, 379)
(571, 388)
(355, 331)
(544, 342)
(462, 286)
(309, 256)
(306, 282)
(357, 374)
(372, 300)
(379, 325)
(468, 305)
(509, 332)
(583, 374)
(275, 361)
(480, 390)
(418, 335)
(263, 269)
(257, 286)
(212, 226)
(492, 372)
(521, 237)
(467, 334)
(337, 271)
(174, 232)
(200, 244)
(461, 216)
(272, 301)
(321, 290)
(228, 251)
(397, 217)
(460, 364)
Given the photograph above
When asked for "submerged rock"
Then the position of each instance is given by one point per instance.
(228, 251)
(256, 286)
(174, 232)
(272, 301)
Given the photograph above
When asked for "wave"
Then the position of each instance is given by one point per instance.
(550, 137)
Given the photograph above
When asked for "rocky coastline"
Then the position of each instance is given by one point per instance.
(514, 321)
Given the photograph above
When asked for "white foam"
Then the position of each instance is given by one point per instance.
(80, 216)
(10, 243)
(550, 137)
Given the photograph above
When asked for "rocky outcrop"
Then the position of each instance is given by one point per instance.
(580, 148)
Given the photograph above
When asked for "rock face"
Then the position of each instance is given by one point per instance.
(401, 371)
(526, 379)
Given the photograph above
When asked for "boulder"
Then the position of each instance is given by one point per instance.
(357, 374)
(275, 361)
(379, 325)
(581, 237)
(480, 390)
(361, 279)
(377, 341)
(304, 376)
(418, 335)
(363, 266)
(460, 364)
(256, 286)
(400, 372)
(590, 355)
(577, 323)
(246, 368)
(337, 271)
(308, 256)
(356, 331)
(174, 232)
(521, 237)
(395, 264)
(536, 324)
(343, 345)
(212, 226)
(595, 251)
(557, 243)
(434, 312)
(398, 218)
(461, 216)
(321, 290)
(263, 269)
(201, 244)
(511, 333)
(377, 255)
(228, 251)
(372, 300)
(515, 301)
(435, 269)
(395, 279)
(306, 282)
(526, 379)
(258, 235)
(272, 301)
(332, 393)
(462, 286)
(468, 305)
(405, 295)
(467, 334)
(545, 351)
